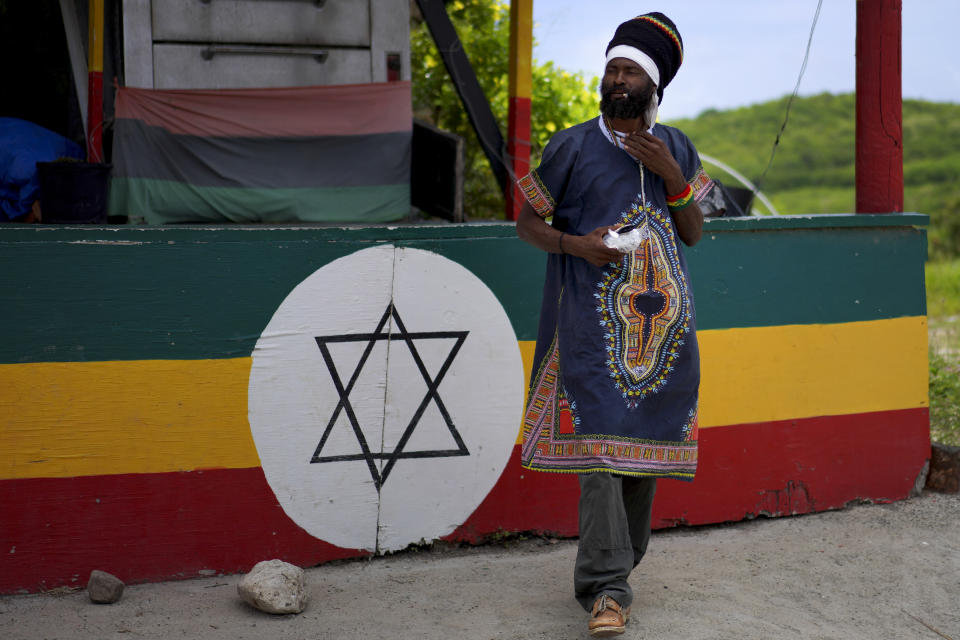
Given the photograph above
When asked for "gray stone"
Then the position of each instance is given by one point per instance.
(274, 586)
(103, 587)
(921, 481)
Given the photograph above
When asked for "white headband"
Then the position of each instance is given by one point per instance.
(634, 54)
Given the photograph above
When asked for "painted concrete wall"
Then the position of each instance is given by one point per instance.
(175, 400)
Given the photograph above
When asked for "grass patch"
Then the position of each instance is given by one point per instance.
(943, 312)
(944, 399)
(817, 199)
(943, 288)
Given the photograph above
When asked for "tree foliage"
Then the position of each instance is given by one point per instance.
(560, 99)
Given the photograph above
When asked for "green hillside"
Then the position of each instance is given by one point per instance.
(813, 171)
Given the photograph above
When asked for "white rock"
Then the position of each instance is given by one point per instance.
(103, 587)
(274, 586)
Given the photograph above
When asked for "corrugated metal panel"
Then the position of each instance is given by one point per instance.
(330, 22)
(180, 66)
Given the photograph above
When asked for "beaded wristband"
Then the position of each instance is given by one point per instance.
(681, 200)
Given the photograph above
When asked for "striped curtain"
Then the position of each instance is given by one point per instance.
(304, 154)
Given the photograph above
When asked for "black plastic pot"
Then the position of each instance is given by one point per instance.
(73, 192)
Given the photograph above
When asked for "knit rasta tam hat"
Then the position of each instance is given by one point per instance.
(653, 42)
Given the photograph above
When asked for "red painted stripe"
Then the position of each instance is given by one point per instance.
(524, 500)
(145, 527)
(53, 532)
(95, 116)
(283, 112)
(799, 466)
(519, 120)
(770, 468)
(518, 151)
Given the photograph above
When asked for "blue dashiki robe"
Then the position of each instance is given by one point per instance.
(616, 367)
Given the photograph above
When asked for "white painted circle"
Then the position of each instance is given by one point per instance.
(438, 481)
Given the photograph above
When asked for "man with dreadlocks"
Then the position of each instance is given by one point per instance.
(613, 394)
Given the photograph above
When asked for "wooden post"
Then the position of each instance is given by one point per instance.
(879, 156)
(95, 83)
(518, 124)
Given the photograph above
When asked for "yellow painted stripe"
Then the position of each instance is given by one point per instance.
(801, 371)
(65, 419)
(526, 352)
(95, 36)
(763, 374)
(154, 416)
(521, 48)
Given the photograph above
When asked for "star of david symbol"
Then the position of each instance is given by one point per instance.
(432, 395)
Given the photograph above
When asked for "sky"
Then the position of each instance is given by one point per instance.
(741, 52)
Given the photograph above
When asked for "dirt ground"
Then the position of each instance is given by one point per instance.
(867, 571)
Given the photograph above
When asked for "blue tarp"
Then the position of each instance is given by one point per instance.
(22, 145)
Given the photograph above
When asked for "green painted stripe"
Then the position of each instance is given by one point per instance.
(166, 201)
(807, 276)
(190, 292)
(818, 221)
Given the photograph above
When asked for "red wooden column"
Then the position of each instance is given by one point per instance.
(879, 172)
(95, 83)
(518, 124)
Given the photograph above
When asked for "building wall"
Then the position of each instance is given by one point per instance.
(181, 400)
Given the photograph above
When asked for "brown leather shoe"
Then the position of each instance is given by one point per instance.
(608, 618)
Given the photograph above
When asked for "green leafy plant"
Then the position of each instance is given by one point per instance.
(943, 312)
(560, 99)
(944, 399)
(943, 288)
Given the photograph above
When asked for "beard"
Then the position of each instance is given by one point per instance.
(633, 106)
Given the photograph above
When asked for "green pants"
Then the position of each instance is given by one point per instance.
(614, 532)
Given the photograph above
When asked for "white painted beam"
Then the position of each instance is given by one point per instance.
(78, 55)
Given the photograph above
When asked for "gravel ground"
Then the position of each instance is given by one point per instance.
(868, 571)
